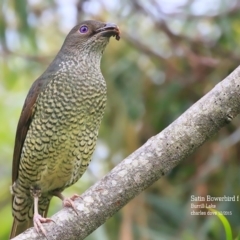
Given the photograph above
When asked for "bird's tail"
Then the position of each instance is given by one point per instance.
(19, 227)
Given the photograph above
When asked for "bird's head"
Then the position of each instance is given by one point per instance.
(90, 36)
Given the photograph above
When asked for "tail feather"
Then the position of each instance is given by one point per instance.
(19, 227)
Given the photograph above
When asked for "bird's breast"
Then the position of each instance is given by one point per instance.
(64, 130)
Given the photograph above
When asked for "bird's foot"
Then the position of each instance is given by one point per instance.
(68, 202)
(37, 222)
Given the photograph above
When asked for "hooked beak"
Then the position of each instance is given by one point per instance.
(109, 30)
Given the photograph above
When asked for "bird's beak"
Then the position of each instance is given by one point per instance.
(110, 29)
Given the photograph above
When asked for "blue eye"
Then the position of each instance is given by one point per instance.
(83, 29)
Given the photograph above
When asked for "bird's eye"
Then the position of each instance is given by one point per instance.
(83, 29)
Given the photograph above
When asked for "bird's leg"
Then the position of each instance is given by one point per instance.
(67, 202)
(37, 218)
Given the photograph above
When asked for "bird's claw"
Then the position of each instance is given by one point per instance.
(37, 222)
(68, 202)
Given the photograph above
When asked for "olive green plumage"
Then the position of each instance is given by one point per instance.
(59, 124)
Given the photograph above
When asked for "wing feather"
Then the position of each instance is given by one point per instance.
(24, 123)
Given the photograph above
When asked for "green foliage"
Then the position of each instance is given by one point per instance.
(225, 223)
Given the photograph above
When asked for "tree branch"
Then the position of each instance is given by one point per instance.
(150, 162)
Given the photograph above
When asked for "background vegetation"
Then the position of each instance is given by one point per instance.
(171, 53)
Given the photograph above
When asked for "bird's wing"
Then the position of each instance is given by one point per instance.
(24, 123)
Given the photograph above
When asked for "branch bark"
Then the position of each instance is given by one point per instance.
(159, 155)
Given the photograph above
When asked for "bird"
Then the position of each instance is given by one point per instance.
(58, 126)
